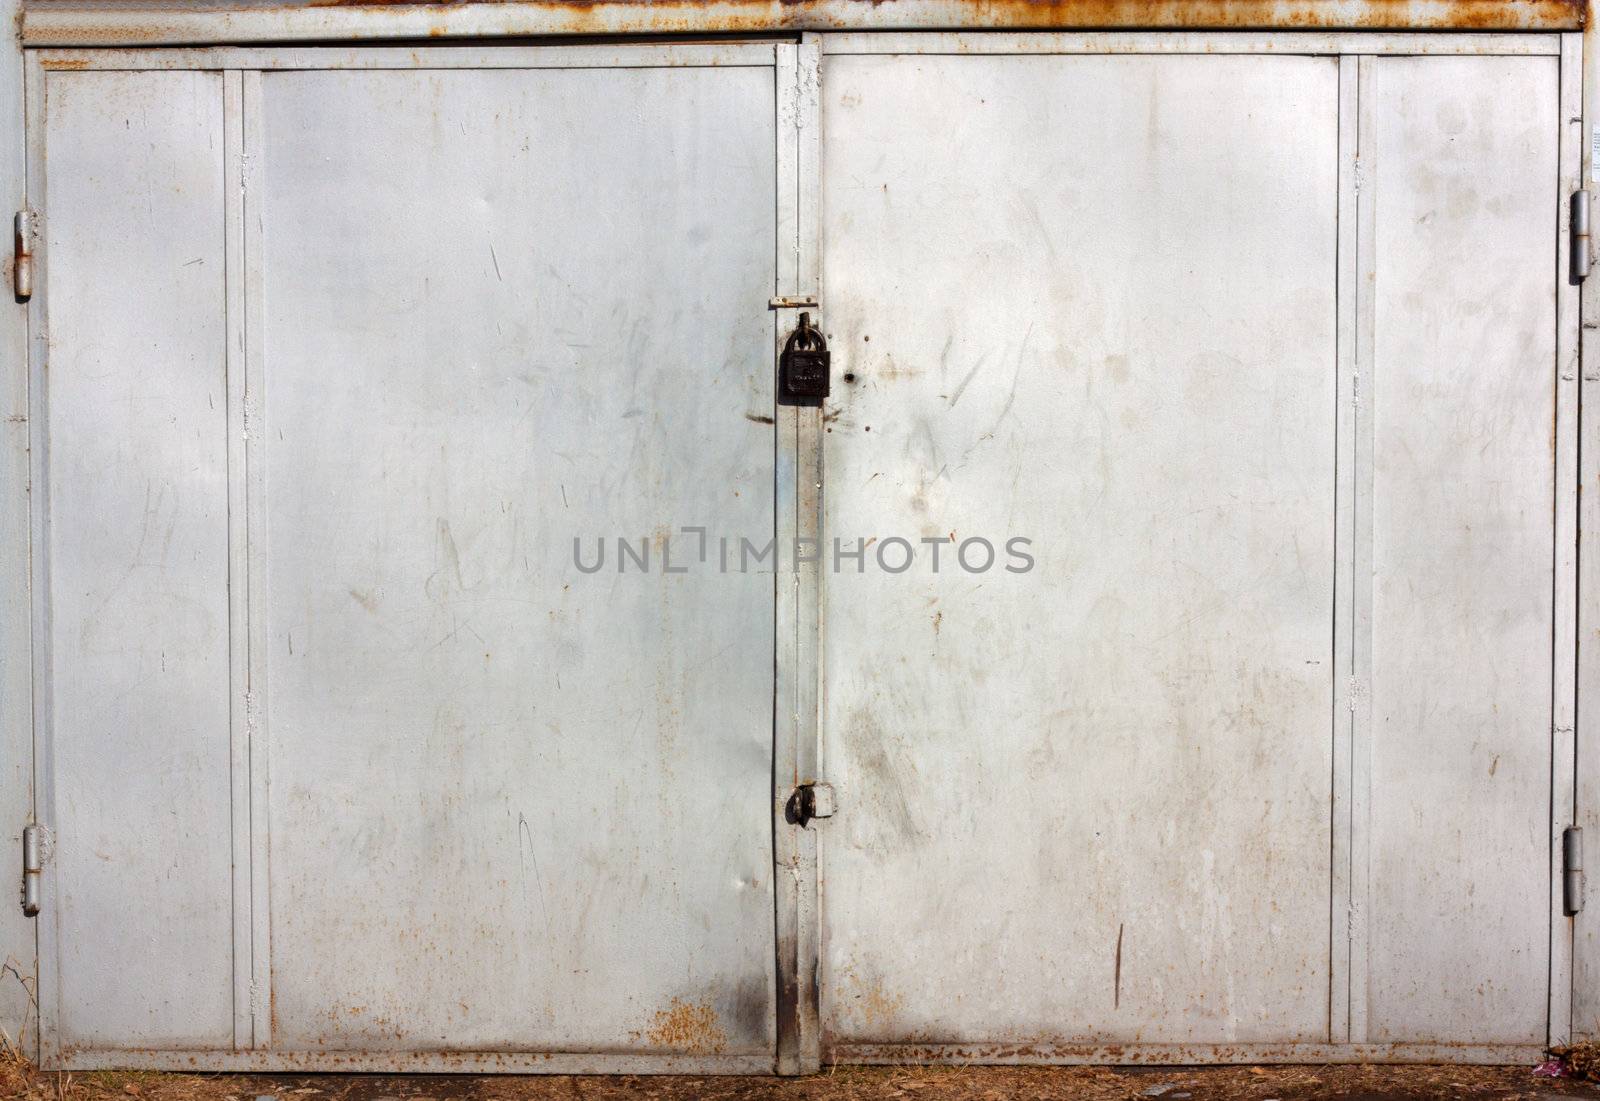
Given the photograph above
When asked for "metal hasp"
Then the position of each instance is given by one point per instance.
(1572, 870)
(803, 375)
(1580, 236)
(807, 802)
(22, 255)
(32, 867)
(791, 301)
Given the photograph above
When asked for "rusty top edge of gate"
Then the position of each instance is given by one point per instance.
(176, 22)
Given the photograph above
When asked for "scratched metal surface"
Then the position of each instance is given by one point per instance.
(506, 806)
(1098, 792)
(1461, 166)
(17, 970)
(1103, 834)
(1101, 789)
(138, 561)
(514, 806)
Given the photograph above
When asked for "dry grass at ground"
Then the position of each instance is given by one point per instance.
(1582, 1060)
(1351, 1083)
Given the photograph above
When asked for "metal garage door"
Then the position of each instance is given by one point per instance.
(1248, 750)
(353, 369)
(1229, 377)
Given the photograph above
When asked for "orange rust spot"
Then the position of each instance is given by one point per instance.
(66, 63)
(686, 1027)
(642, 16)
(878, 1008)
(730, 17)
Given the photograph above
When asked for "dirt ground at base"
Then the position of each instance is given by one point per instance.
(1353, 1083)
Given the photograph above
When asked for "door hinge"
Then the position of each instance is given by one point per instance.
(1579, 234)
(809, 801)
(1572, 870)
(32, 866)
(23, 232)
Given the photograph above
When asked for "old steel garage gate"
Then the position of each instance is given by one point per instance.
(347, 361)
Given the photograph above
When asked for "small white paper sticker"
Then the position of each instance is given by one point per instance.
(1594, 152)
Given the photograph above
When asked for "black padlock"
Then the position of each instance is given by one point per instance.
(803, 374)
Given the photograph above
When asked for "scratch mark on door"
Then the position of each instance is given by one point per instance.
(1116, 981)
(525, 833)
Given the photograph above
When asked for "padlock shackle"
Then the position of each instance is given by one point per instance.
(806, 337)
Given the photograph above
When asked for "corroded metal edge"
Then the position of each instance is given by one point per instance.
(57, 23)
(880, 1054)
(400, 1062)
(1179, 1054)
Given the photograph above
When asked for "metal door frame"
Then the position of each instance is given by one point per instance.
(1351, 719)
(241, 67)
(799, 666)
(19, 950)
(109, 24)
(1581, 933)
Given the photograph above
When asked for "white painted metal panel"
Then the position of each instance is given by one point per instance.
(18, 944)
(1462, 165)
(1086, 300)
(1091, 302)
(135, 545)
(514, 806)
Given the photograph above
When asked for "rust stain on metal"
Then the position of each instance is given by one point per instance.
(793, 14)
(1044, 1052)
(877, 1008)
(127, 24)
(684, 1026)
(835, 1052)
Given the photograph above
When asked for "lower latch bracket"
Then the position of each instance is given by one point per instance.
(807, 802)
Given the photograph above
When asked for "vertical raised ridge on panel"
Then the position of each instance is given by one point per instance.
(787, 839)
(1564, 684)
(47, 988)
(808, 521)
(252, 409)
(238, 643)
(1363, 391)
(1344, 517)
